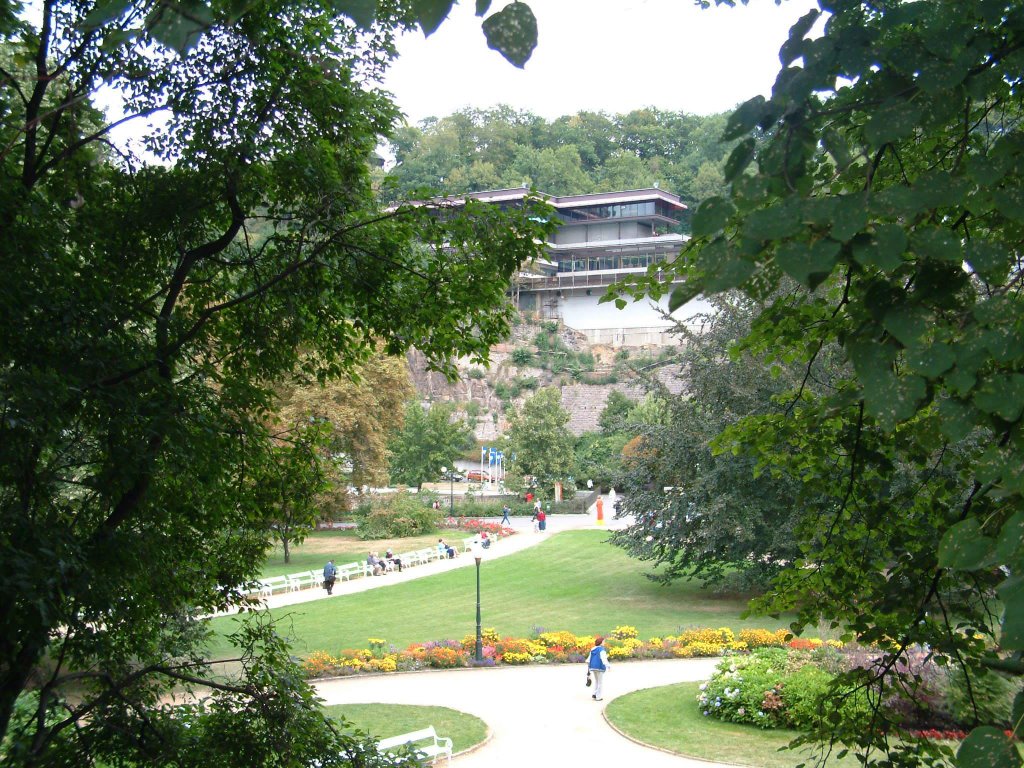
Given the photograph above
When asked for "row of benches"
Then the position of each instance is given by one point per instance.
(295, 582)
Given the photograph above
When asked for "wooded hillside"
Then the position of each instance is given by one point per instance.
(474, 150)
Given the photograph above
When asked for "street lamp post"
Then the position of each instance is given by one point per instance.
(478, 553)
(451, 489)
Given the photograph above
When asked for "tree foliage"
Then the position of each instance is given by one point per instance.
(474, 150)
(431, 438)
(360, 414)
(884, 174)
(540, 441)
(149, 313)
(703, 512)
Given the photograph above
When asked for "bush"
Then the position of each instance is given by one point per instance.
(398, 516)
(992, 696)
(476, 373)
(521, 356)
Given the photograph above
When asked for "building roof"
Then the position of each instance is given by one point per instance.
(574, 201)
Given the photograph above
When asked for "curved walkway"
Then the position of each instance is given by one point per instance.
(523, 538)
(538, 715)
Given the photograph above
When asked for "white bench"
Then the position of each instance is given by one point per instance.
(348, 570)
(267, 586)
(425, 742)
(297, 581)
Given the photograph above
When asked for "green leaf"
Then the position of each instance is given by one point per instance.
(937, 244)
(774, 223)
(964, 547)
(1004, 342)
(809, 265)
(888, 398)
(512, 32)
(681, 294)
(362, 12)
(430, 14)
(894, 121)
(956, 419)
(1011, 538)
(850, 217)
(482, 6)
(932, 360)
(884, 250)
(725, 269)
(747, 116)
(838, 147)
(908, 323)
(988, 259)
(739, 159)
(987, 747)
(180, 26)
(711, 216)
(1010, 202)
(1002, 394)
(103, 13)
(1012, 635)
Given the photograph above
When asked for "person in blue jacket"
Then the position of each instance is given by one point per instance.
(597, 664)
(329, 575)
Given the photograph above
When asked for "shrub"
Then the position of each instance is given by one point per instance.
(476, 373)
(521, 356)
(763, 638)
(397, 516)
(992, 696)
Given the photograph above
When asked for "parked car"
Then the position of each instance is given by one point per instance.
(478, 476)
(453, 474)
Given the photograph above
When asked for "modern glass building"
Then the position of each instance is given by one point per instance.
(601, 238)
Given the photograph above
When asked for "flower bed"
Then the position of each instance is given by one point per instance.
(544, 647)
(475, 525)
(802, 686)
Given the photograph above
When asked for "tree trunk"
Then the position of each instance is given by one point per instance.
(287, 551)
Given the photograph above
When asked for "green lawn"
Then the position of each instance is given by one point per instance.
(345, 547)
(574, 580)
(382, 721)
(669, 718)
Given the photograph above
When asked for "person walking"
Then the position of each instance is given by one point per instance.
(504, 515)
(597, 665)
(330, 572)
(542, 520)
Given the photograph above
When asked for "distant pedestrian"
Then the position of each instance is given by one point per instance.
(504, 515)
(330, 573)
(597, 665)
(542, 520)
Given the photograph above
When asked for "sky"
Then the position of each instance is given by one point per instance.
(599, 55)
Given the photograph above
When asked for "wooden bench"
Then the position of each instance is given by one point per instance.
(268, 586)
(425, 742)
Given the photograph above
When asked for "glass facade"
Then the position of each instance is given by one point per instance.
(630, 260)
(586, 213)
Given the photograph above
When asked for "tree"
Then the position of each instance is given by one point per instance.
(540, 441)
(698, 511)
(431, 438)
(292, 482)
(150, 311)
(884, 174)
(360, 414)
(615, 415)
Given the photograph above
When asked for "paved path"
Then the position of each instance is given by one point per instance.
(523, 538)
(539, 716)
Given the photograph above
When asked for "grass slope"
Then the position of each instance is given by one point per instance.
(382, 721)
(669, 718)
(575, 580)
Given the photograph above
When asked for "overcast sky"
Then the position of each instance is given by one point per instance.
(599, 55)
